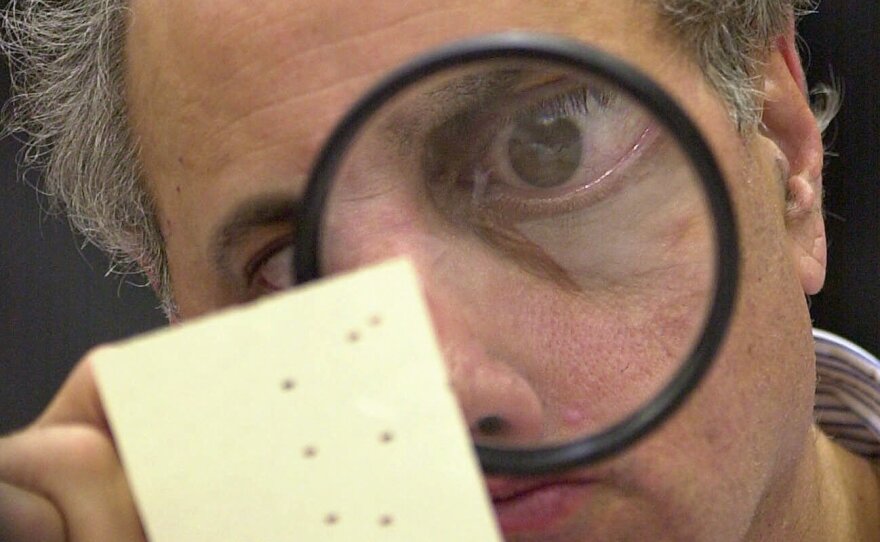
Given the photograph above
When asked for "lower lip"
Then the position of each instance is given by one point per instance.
(540, 511)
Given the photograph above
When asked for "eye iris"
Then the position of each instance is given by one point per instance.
(545, 151)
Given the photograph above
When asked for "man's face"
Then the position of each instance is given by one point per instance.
(231, 103)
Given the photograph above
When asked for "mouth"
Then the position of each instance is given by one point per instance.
(542, 506)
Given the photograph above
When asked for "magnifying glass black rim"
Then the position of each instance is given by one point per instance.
(561, 51)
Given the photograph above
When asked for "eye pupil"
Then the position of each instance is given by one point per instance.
(545, 151)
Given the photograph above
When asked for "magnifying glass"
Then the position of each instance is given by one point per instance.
(570, 212)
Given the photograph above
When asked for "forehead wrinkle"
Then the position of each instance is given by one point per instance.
(227, 56)
(320, 67)
(363, 72)
(267, 132)
(352, 56)
(229, 42)
(196, 91)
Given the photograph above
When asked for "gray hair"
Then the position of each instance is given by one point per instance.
(67, 65)
(69, 100)
(728, 38)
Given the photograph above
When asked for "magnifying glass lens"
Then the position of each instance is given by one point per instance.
(567, 240)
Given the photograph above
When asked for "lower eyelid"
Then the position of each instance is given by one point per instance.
(566, 199)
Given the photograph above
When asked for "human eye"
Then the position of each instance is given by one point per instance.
(538, 152)
(271, 269)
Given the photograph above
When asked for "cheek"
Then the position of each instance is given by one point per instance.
(640, 273)
(593, 357)
(747, 426)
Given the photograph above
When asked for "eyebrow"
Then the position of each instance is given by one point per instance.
(463, 92)
(248, 217)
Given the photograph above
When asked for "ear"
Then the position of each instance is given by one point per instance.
(790, 124)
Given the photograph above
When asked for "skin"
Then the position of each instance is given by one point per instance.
(208, 82)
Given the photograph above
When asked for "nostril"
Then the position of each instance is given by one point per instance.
(491, 426)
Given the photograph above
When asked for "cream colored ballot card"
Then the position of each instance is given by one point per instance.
(322, 415)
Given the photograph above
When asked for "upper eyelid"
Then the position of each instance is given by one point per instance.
(557, 94)
(247, 220)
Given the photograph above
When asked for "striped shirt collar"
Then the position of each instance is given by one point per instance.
(847, 406)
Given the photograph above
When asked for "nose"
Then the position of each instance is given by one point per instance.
(499, 404)
(497, 398)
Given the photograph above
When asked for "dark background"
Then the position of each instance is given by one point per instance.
(844, 44)
(55, 302)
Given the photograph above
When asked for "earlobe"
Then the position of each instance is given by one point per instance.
(806, 230)
(789, 122)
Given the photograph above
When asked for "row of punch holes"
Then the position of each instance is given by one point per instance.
(386, 437)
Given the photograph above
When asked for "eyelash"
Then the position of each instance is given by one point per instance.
(555, 99)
